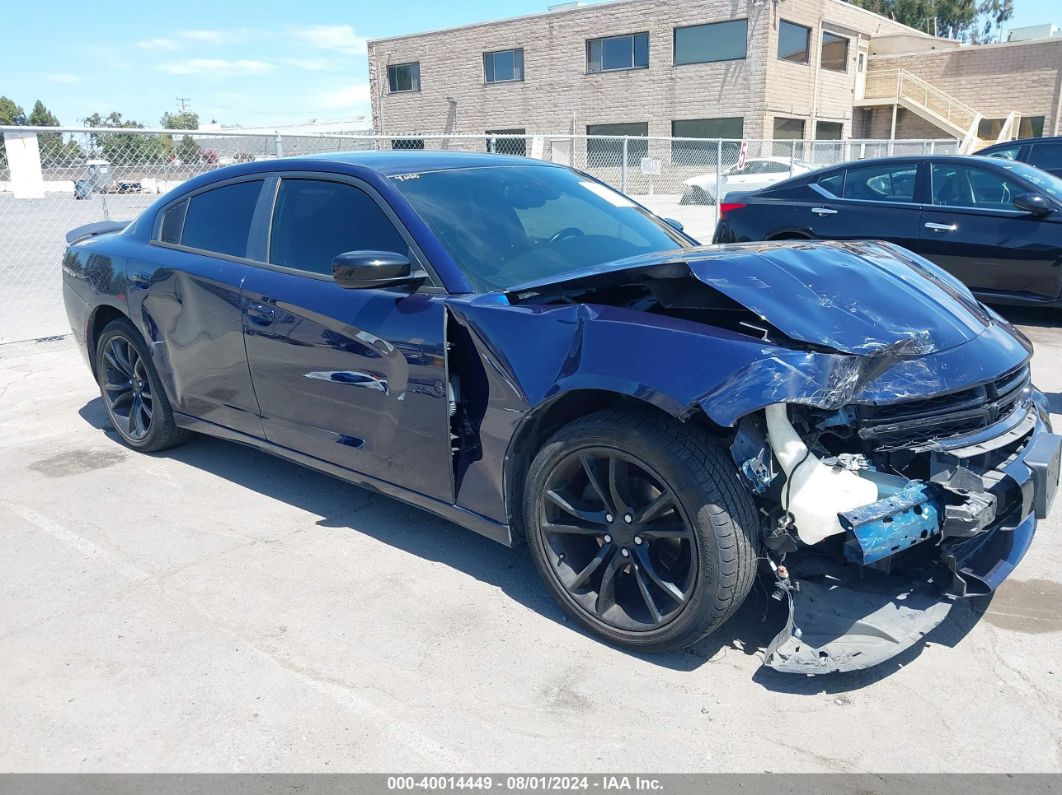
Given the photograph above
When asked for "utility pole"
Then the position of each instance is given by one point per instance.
(183, 102)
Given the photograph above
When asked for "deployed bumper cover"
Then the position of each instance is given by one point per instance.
(846, 618)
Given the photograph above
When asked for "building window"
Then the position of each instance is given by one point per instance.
(794, 42)
(407, 143)
(719, 41)
(788, 129)
(834, 54)
(403, 77)
(503, 66)
(507, 142)
(603, 152)
(829, 130)
(618, 52)
(705, 152)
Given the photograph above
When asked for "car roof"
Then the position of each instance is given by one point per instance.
(873, 161)
(1054, 139)
(404, 161)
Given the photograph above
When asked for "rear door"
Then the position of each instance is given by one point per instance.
(876, 202)
(971, 228)
(1046, 156)
(352, 377)
(184, 294)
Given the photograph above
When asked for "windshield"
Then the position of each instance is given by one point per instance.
(1046, 182)
(507, 225)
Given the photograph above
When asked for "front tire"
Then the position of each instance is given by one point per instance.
(132, 393)
(640, 528)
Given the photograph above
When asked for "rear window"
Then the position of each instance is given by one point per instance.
(219, 220)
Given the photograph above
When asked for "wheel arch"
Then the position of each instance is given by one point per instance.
(791, 234)
(544, 420)
(98, 320)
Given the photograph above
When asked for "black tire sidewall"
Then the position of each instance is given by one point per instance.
(161, 415)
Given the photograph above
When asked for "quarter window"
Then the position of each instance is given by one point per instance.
(832, 183)
(834, 55)
(219, 220)
(718, 41)
(883, 183)
(503, 66)
(403, 77)
(964, 186)
(315, 220)
(613, 53)
(794, 42)
(172, 222)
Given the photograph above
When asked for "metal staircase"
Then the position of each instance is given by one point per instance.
(901, 89)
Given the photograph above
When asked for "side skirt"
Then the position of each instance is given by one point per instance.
(453, 513)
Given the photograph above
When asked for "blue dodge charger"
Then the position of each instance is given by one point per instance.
(517, 347)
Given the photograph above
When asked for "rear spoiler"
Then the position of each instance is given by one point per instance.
(80, 233)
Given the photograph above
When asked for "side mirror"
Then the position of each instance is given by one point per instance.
(1032, 203)
(367, 269)
(675, 224)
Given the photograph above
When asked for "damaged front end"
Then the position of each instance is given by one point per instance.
(879, 516)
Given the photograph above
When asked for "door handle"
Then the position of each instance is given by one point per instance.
(260, 314)
(141, 280)
(821, 211)
(941, 227)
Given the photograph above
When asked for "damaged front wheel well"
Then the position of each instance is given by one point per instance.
(548, 418)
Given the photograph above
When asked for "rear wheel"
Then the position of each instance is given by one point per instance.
(132, 392)
(640, 528)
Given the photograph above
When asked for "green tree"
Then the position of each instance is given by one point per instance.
(123, 149)
(966, 20)
(10, 113)
(186, 149)
(185, 120)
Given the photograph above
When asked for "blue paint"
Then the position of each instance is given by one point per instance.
(891, 525)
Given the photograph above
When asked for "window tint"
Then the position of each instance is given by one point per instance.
(504, 66)
(964, 186)
(1046, 156)
(695, 152)
(719, 41)
(403, 77)
(508, 142)
(172, 221)
(1010, 153)
(793, 42)
(883, 183)
(219, 220)
(315, 220)
(618, 52)
(605, 152)
(832, 183)
(834, 54)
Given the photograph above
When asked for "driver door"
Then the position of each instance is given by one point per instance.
(355, 377)
(971, 228)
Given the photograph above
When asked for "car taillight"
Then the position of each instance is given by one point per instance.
(729, 207)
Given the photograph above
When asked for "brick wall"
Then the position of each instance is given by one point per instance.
(557, 95)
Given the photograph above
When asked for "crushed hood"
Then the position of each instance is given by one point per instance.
(861, 298)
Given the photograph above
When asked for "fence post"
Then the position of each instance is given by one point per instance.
(278, 145)
(623, 166)
(718, 174)
(792, 156)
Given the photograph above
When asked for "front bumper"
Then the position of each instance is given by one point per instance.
(847, 618)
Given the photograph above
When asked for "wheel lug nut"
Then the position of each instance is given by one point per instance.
(637, 539)
(609, 517)
(625, 552)
(628, 518)
(608, 539)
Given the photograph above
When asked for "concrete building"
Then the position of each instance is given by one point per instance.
(753, 69)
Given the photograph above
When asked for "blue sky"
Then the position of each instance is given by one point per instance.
(239, 63)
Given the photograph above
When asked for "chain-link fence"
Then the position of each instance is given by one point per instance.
(53, 180)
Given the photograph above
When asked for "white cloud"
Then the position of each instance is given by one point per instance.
(346, 98)
(217, 67)
(218, 37)
(309, 64)
(157, 43)
(61, 77)
(338, 38)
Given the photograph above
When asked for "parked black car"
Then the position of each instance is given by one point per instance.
(1044, 153)
(995, 224)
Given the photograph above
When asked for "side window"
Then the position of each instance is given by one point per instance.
(832, 183)
(964, 186)
(315, 220)
(172, 223)
(219, 220)
(882, 183)
(1046, 156)
(771, 167)
(1010, 153)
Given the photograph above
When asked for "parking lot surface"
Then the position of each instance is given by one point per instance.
(214, 609)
